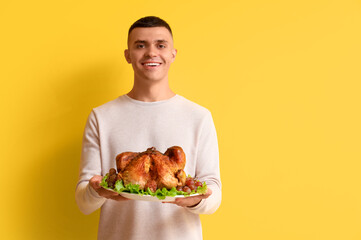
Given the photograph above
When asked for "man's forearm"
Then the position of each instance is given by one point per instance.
(87, 198)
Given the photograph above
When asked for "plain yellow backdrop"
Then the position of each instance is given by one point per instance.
(281, 78)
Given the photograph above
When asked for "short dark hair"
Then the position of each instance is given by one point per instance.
(150, 21)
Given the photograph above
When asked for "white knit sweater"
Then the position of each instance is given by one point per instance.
(125, 124)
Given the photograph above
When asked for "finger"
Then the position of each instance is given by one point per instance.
(185, 202)
(119, 198)
(95, 181)
(206, 195)
(106, 193)
(110, 195)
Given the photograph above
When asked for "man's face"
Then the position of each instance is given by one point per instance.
(150, 51)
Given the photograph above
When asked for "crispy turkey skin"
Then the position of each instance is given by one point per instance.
(153, 169)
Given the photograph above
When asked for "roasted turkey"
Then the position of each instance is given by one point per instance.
(153, 169)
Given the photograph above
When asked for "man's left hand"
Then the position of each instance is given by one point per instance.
(191, 201)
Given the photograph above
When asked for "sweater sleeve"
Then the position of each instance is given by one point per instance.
(86, 197)
(207, 167)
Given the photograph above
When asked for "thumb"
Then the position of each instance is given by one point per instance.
(207, 194)
(95, 181)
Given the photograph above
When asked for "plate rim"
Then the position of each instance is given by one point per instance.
(150, 197)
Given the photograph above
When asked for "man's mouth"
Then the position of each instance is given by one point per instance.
(151, 64)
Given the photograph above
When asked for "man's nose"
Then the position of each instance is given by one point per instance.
(151, 51)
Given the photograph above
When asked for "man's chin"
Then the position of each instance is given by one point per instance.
(153, 79)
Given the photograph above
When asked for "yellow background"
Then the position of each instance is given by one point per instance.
(282, 79)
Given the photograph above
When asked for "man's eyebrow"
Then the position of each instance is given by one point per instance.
(161, 41)
(157, 41)
(140, 41)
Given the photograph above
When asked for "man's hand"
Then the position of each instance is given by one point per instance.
(191, 201)
(95, 181)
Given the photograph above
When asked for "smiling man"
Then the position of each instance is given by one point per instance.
(151, 52)
(150, 115)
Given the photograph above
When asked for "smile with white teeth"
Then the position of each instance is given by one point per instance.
(151, 64)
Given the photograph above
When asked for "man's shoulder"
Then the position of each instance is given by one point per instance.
(194, 107)
(109, 106)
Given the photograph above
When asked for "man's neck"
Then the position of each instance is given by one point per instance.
(151, 93)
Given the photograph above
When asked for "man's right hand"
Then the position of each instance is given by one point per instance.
(95, 181)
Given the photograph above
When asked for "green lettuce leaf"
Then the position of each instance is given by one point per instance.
(118, 186)
(159, 193)
(103, 183)
(203, 189)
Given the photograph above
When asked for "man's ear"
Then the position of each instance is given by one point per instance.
(174, 53)
(126, 55)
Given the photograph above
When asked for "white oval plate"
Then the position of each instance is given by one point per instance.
(151, 198)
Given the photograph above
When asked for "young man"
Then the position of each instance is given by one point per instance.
(150, 115)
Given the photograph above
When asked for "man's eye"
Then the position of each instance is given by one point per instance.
(140, 46)
(161, 46)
